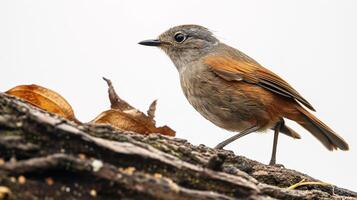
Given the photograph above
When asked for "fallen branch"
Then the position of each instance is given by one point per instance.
(97, 160)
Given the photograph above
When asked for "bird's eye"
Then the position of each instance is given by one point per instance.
(180, 37)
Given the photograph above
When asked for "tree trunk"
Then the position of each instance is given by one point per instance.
(43, 156)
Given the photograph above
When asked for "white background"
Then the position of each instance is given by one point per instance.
(69, 45)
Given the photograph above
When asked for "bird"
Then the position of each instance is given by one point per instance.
(235, 92)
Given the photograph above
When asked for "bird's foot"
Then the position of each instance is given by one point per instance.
(220, 146)
(273, 163)
(278, 165)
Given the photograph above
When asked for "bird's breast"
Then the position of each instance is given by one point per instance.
(219, 102)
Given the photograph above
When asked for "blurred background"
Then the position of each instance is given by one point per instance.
(69, 45)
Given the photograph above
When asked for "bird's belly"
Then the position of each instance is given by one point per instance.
(220, 116)
(220, 104)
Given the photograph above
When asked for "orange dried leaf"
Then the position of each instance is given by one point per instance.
(45, 99)
(124, 116)
(152, 110)
(131, 122)
(165, 130)
(120, 120)
(115, 101)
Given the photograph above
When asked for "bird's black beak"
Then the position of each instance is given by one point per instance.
(154, 43)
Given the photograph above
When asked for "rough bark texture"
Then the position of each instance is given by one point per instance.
(43, 156)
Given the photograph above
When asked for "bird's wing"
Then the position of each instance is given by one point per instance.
(243, 70)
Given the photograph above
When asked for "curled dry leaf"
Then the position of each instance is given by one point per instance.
(126, 117)
(115, 101)
(45, 99)
(121, 115)
(121, 120)
(130, 122)
(152, 110)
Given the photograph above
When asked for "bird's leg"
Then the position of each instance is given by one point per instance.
(235, 137)
(277, 128)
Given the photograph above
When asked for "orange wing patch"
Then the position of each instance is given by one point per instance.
(238, 70)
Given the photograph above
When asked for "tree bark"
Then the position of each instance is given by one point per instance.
(43, 156)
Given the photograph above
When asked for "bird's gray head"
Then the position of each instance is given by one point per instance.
(185, 43)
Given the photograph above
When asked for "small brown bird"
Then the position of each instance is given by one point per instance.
(235, 92)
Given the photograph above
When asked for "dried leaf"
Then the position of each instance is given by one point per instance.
(115, 101)
(124, 116)
(121, 120)
(129, 122)
(152, 110)
(165, 130)
(45, 99)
